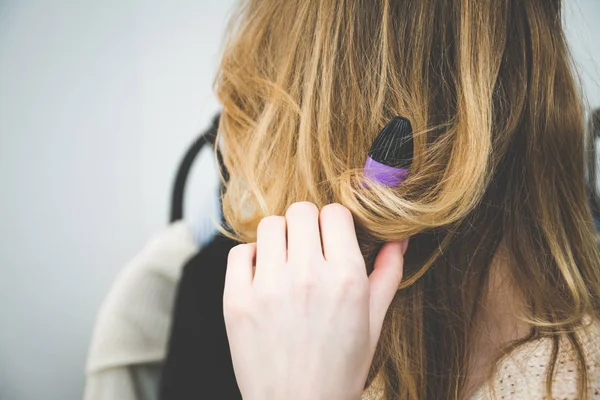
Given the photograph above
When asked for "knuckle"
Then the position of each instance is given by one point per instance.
(308, 265)
(302, 209)
(237, 252)
(268, 295)
(240, 252)
(233, 254)
(335, 211)
(270, 223)
(354, 284)
(305, 284)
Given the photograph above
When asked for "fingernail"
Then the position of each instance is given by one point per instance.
(404, 245)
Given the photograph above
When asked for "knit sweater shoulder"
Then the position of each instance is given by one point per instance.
(522, 374)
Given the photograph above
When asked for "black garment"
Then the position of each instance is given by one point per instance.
(198, 363)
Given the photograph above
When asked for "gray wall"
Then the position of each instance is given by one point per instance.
(97, 102)
(582, 26)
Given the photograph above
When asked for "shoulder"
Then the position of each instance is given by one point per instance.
(133, 322)
(522, 374)
(161, 259)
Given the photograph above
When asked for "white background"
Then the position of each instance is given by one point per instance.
(98, 101)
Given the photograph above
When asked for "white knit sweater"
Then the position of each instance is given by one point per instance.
(522, 374)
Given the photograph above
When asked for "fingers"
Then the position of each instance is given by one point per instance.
(338, 234)
(303, 236)
(306, 235)
(271, 245)
(306, 229)
(238, 276)
(384, 282)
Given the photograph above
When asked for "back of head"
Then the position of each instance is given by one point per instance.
(499, 156)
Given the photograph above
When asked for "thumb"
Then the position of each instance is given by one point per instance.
(384, 282)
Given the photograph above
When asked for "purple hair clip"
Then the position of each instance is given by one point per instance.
(391, 153)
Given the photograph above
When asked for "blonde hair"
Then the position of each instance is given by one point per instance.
(500, 150)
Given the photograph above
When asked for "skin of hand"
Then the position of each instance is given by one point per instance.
(305, 324)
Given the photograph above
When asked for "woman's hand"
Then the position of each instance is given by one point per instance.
(306, 325)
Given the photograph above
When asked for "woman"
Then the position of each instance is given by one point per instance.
(500, 289)
(502, 261)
